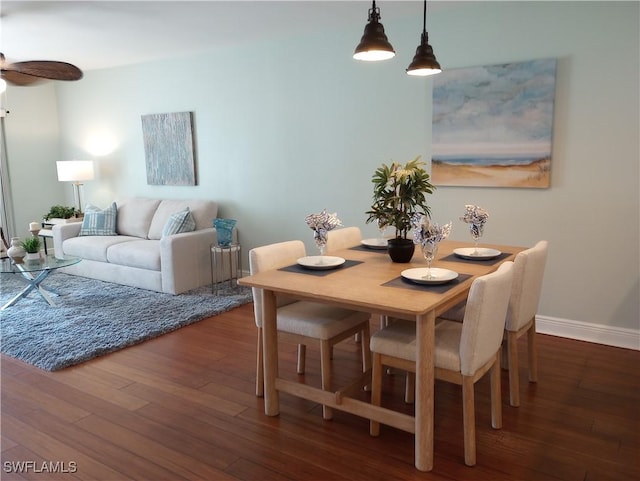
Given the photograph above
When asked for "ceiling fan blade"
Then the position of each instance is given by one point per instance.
(17, 78)
(47, 69)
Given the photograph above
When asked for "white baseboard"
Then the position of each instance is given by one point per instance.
(583, 331)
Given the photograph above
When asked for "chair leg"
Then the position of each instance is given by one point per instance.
(496, 394)
(384, 322)
(469, 421)
(410, 388)
(302, 358)
(366, 348)
(376, 391)
(259, 366)
(514, 378)
(325, 368)
(365, 335)
(533, 352)
(504, 357)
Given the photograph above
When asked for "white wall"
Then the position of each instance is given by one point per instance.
(287, 128)
(33, 147)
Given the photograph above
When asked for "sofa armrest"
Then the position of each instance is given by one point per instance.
(185, 260)
(62, 232)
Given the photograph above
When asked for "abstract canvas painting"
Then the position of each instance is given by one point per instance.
(169, 148)
(492, 125)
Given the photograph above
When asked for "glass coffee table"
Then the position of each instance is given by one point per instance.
(33, 273)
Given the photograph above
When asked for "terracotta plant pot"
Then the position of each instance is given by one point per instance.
(401, 250)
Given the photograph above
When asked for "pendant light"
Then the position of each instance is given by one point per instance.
(374, 44)
(424, 62)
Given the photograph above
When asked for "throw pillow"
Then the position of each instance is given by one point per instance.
(179, 222)
(99, 222)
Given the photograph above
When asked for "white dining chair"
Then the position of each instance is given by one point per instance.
(529, 266)
(528, 274)
(307, 321)
(338, 239)
(464, 352)
(345, 238)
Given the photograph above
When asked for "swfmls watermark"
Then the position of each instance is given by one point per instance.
(22, 467)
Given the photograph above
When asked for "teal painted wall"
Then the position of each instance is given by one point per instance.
(290, 127)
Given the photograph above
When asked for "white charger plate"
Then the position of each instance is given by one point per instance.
(483, 253)
(377, 243)
(438, 275)
(321, 262)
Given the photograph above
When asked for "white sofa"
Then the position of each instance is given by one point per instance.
(139, 255)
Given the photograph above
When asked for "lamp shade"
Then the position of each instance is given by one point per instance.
(374, 44)
(75, 170)
(424, 62)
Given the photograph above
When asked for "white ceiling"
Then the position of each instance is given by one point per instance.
(103, 34)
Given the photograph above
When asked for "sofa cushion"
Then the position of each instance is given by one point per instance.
(143, 254)
(179, 222)
(203, 211)
(93, 247)
(98, 222)
(135, 215)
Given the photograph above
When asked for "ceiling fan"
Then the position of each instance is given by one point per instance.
(30, 72)
(24, 73)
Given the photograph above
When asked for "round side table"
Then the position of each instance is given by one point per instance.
(226, 264)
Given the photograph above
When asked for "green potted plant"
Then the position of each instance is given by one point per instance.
(32, 246)
(60, 212)
(399, 192)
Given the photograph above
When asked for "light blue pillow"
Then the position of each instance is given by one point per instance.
(99, 222)
(179, 222)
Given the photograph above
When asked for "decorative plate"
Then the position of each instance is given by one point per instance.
(321, 262)
(481, 254)
(377, 243)
(438, 275)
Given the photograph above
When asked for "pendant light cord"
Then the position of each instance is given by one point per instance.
(374, 12)
(424, 24)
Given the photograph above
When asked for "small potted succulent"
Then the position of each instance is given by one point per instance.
(32, 246)
(400, 192)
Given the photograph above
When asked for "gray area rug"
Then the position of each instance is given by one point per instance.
(92, 318)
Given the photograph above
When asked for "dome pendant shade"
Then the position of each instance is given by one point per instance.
(374, 44)
(424, 62)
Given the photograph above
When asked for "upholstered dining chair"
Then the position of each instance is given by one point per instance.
(344, 238)
(306, 321)
(464, 352)
(528, 273)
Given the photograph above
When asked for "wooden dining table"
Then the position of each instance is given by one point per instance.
(369, 281)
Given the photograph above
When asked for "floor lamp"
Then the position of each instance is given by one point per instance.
(75, 171)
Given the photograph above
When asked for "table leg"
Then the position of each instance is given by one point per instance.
(425, 379)
(32, 283)
(270, 352)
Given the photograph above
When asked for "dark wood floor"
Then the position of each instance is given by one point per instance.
(183, 407)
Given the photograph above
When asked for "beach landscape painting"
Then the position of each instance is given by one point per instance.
(493, 125)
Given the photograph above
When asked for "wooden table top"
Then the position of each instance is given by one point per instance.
(362, 285)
